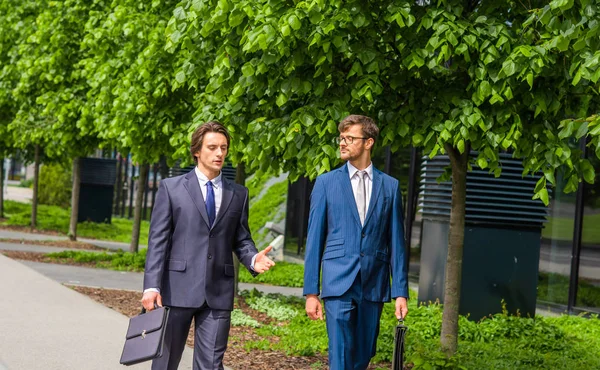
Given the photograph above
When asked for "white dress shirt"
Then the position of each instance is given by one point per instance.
(368, 183)
(217, 186)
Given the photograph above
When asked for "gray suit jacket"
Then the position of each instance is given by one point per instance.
(188, 261)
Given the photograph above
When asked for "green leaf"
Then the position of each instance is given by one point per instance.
(180, 77)
(589, 174)
(294, 22)
(281, 99)
(582, 130)
(248, 70)
(482, 163)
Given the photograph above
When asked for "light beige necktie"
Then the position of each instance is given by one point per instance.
(361, 196)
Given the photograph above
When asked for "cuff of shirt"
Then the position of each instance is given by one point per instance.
(252, 263)
(152, 290)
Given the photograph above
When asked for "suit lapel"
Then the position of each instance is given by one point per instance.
(193, 187)
(376, 189)
(348, 193)
(227, 196)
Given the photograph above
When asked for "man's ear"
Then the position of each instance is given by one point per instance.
(370, 143)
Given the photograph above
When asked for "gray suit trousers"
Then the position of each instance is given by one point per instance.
(210, 339)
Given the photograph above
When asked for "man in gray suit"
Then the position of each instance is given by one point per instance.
(198, 220)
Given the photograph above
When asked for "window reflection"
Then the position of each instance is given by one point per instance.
(588, 289)
(556, 247)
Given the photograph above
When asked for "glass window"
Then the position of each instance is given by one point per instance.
(556, 247)
(588, 290)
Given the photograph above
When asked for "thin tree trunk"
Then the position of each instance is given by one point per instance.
(2, 187)
(137, 216)
(36, 175)
(456, 236)
(240, 178)
(75, 198)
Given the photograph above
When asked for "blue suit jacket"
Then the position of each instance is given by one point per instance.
(338, 241)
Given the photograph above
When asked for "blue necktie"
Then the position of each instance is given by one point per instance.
(210, 203)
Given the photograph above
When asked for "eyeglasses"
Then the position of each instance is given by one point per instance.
(348, 139)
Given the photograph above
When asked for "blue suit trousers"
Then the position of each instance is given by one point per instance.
(352, 327)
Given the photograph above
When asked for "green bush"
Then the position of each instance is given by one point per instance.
(55, 186)
(26, 183)
(500, 341)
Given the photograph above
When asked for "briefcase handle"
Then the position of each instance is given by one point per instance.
(144, 309)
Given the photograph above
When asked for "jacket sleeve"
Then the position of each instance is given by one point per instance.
(159, 239)
(317, 223)
(398, 254)
(244, 247)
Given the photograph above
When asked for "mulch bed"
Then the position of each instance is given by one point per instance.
(29, 229)
(54, 243)
(236, 357)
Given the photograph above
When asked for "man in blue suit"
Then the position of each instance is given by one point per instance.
(355, 232)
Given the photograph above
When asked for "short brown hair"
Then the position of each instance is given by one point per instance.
(198, 135)
(369, 127)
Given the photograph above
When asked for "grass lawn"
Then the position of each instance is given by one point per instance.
(53, 218)
(561, 228)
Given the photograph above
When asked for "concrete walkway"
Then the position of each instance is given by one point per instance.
(45, 325)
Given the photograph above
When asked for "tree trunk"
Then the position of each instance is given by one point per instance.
(137, 215)
(75, 198)
(456, 236)
(2, 187)
(240, 178)
(36, 175)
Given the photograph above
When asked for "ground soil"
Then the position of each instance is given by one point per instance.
(54, 243)
(237, 357)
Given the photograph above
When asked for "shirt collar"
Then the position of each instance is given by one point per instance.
(352, 170)
(203, 179)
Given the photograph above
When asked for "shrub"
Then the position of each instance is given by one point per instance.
(55, 186)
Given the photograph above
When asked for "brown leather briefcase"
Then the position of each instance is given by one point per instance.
(145, 336)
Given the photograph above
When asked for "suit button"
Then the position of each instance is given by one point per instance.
(209, 256)
(362, 254)
(363, 235)
(212, 235)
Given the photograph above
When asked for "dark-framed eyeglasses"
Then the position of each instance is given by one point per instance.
(348, 139)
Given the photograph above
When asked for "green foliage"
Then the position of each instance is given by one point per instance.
(282, 274)
(480, 75)
(272, 307)
(265, 208)
(56, 186)
(500, 341)
(120, 261)
(53, 218)
(238, 318)
(26, 183)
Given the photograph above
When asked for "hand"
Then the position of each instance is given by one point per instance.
(401, 308)
(150, 298)
(313, 307)
(262, 263)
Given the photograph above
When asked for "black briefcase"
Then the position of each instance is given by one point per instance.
(145, 336)
(398, 356)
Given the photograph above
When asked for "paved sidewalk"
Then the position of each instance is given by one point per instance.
(45, 325)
